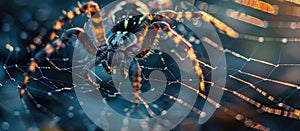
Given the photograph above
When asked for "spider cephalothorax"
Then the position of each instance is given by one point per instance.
(128, 20)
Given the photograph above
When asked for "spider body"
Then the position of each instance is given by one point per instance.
(129, 20)
(134, 27)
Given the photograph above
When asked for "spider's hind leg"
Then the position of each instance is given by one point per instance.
(137, 78)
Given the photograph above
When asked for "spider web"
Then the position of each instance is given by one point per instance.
(260, 72)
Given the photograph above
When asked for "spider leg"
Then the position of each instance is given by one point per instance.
(107, 67)
(99, 33)
(137, 77)
(165, 26)
(51, 47)
(91, 46)
(98, 28)
(91, 65)
(201, 15)
(178, 39)
(136, 69)
(90, 7)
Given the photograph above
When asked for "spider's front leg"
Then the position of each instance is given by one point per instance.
(87, 68)
(56, 43)
(99, 32)
(201, 15)
(46, 52)
(164, 24)
(90, 7)
(178, 39)
(101, 55)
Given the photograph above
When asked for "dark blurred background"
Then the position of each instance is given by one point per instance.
(24, 22)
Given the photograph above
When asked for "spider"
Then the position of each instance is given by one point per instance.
(133, 22)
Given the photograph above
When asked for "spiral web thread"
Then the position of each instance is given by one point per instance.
(244, 81)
